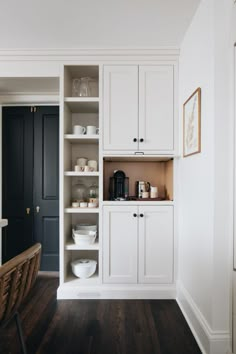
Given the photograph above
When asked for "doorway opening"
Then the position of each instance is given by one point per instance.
(30, 169)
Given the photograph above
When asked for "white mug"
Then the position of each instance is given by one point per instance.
(82, 161)
(79, 129)
(87, 169)
(145, 194)
(153, 192)
(93, 164)
(79, 168)
(91, 130)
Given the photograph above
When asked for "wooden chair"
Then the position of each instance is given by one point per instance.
(17, 277)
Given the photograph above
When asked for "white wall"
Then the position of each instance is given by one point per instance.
(206, 179)
(93, 23)
(197, 171)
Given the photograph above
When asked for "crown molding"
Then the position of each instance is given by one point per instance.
(62, 54)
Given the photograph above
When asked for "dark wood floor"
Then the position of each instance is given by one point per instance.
(98, 326)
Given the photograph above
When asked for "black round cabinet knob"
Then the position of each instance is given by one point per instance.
(134, 140)
(141, 140)
(141, 215)
(135, 215)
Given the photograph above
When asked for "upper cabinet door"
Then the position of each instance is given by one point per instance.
(156, 244)
(120, 124)
(156, 108)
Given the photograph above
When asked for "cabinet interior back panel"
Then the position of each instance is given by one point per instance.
(84, 119)
(78, 71)
(89, 151)
(159, 174)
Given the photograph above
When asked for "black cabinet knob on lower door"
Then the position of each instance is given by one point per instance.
(134, 140)
(141, 215)
(135, 215)
(141, 140)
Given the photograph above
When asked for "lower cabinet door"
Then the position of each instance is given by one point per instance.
(156, 244)
(120, 230)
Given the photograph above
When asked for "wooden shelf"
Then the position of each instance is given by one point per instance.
(82, 210)
(81, 174)
(73, 247)
(82, 104)
(72, 280)
(82, 139)
(139, 202)
(138, 158)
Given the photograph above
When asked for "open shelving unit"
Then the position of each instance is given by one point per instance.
(78, 111)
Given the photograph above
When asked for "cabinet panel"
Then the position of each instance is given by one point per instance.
(120, 107)
(156, 107)
(120, 244)
(156, 244)
(50, 157)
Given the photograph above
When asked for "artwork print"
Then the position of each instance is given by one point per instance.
(192, 124)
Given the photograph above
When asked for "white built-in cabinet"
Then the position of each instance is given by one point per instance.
(138, 244)
(133, 104)
(139, 108)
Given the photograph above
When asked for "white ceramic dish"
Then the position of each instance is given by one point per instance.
(84, 237)
(83, 268)
(86, 227)
(92, 205)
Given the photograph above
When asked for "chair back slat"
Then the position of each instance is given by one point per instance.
(17, 277)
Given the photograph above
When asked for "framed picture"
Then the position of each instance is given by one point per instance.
(192, 124)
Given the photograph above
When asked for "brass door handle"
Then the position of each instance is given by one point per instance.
(27, 211)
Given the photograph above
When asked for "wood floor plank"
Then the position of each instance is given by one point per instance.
(98, 326)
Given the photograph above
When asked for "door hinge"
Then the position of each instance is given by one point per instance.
(35, 109)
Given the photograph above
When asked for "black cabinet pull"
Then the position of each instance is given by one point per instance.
(134, 140)
(141, 215)
(135, 215)
(141, 140)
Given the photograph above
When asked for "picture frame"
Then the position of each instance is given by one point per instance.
(192, 124)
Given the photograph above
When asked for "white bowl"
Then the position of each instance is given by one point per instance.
(84, 237)
(83, 268)
(86, 227)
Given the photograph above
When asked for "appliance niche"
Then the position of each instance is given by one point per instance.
(117, 186)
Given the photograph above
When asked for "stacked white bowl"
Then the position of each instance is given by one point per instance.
(84, 234)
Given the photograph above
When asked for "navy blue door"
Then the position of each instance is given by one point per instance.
(31, 182)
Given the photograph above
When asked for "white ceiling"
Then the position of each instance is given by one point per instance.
(94, 23)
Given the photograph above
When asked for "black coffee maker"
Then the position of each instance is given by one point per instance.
(119, 186)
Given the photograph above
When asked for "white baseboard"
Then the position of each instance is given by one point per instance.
(209, 340)
(115, 292)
